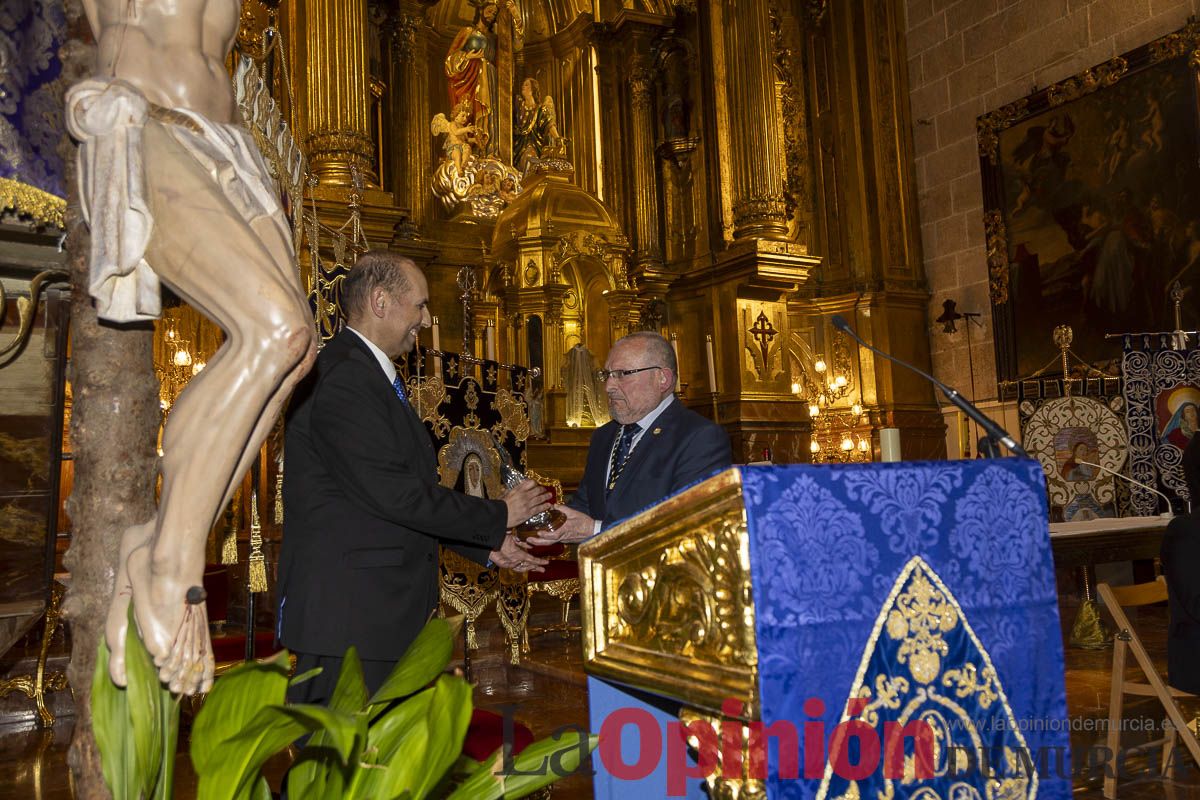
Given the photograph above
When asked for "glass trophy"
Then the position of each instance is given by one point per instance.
(549, 520)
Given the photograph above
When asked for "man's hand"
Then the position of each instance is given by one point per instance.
(512, 555)
(524, 500)
(579, 526)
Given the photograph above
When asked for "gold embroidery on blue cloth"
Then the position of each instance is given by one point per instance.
(922, 620)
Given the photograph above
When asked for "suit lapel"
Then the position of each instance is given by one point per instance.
(403, 412)
(663, 426)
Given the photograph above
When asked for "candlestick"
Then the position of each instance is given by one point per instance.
(712, 365)
(490, 333)
(437, 345)
(889, 444)
(675, 347)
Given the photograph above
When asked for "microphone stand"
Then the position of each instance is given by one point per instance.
(995, 436)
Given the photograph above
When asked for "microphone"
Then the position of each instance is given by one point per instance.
(993, 430)
(1169, 512)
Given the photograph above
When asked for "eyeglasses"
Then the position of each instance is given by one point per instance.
(603, 375)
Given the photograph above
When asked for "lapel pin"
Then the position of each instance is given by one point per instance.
(657, 431)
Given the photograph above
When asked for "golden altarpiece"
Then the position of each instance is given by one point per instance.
(733, 172)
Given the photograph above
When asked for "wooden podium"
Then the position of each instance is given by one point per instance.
(772, 586)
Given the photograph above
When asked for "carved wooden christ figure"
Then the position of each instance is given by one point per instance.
(174, 190)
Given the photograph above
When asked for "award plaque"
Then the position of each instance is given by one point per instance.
(549, 520)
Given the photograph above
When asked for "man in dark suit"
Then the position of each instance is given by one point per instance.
(1181, 566)
(364, 513)
(652, 448)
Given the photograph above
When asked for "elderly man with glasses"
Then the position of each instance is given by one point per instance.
(652, 448)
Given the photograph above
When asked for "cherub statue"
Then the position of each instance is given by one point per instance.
(175, 190)
(459, 135)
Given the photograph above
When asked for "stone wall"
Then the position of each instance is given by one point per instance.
(969, 57)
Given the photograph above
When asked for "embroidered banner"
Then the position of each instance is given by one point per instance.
(907, 624)
(31, 113)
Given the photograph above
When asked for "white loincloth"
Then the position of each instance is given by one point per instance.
(107, 117)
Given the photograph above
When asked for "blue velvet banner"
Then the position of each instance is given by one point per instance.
(925, 590)
(31, 113)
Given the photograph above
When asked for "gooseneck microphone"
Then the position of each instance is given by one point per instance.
(993, 431)
(1139, 484)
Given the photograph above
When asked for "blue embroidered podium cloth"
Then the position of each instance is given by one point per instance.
(925, 590)
(934, 575)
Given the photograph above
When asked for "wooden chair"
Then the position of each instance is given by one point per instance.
(1116, 599)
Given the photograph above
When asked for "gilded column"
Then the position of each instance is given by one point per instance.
(645, 188)
(337, 97)
(552, 334)
(410, 74)
(757, 161)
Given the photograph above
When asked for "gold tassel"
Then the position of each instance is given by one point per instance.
(258, 566)
(279, 489)
(229, 552)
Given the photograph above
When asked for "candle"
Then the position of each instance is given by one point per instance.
(437, 345)
(675, 347)
(712, 366)
(490, 341)
(889, 444)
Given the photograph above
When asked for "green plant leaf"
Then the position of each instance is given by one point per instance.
(313, 773)
(337, 727)
(233, 765)
(543, 752)
(170, 740)
(236, 698)
(480, 783)
(147, 698)
(425, 659)
(418, 746)
(110, 725)
(396, 743)
(449, 714)
(261, 790)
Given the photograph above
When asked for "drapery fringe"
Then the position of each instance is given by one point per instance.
(33, 202)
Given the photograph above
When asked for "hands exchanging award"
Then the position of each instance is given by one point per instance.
(525, 499)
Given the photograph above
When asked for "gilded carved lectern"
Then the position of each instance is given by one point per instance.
(891, 630)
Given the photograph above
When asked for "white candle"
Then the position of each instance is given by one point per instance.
(437, 345)
(490, 341)
(889, 444)
(712, 364)
(675, 347)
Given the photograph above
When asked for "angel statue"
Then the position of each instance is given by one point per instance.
(535, 127)
(458, 133)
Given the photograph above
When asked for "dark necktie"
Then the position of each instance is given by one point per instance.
(621, 453)
(398, 386)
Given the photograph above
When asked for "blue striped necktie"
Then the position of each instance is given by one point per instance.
(621, 453)
(398, 386)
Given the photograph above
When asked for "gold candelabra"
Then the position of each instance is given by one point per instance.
(836, 431)
(175, 364)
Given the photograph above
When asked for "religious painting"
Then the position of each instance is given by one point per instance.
(1080, 443)
(1176, 412)
(1091, 209)
(1162, 391)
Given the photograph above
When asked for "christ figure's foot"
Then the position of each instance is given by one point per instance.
(174, 630)
(117, 624)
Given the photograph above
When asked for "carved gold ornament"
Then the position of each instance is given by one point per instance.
(672, 612)
(1086, 82)
(989, 125)
(997, 257)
